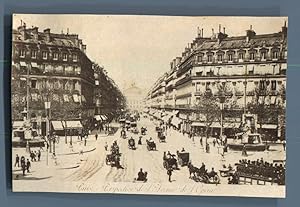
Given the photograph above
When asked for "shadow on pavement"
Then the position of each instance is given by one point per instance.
(27, 177)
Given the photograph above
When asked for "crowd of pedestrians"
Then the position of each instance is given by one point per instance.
(25, 163)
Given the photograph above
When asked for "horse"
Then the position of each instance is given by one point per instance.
(193, 170)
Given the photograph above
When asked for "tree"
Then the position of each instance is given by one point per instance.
(208, 107)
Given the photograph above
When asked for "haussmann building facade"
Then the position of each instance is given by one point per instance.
(252, 68)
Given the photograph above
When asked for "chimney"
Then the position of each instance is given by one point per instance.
(250, 34)
(22, 30)
(221, 36)
(80, 44)
(198, 32)
(202, 32)
(171, 65)
(177, 60)
(35, 32)
(284, 30)
(84, 48)
(47, 34)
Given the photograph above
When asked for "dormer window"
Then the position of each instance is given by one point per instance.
(230, 57)
(33, 54)
(199, 58)
(241, 56)
(75, 58)
(55, 56)
(263, 55)
(209, 58)
(275, 55)
(22, 53)
(44, 55)
(252, 55)
(220, 58)
(65, 57)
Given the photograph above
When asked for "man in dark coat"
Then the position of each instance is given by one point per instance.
(17, 161)
(169, 172)
(28, 165)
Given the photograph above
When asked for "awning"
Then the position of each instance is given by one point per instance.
(166, 118)
(57, 125)
(198, 124)
(269, 126)
(23, 64)
(72, 125)
(175, 121)
(98, 118)
(17, 124)
(103, 117)
(34, 65)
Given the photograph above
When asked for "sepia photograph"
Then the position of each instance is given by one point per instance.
(140, 104)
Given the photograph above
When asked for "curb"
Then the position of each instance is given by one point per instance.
(75, 153)
(68, 168)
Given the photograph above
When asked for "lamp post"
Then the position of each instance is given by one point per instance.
(222, 101)
(47, 107)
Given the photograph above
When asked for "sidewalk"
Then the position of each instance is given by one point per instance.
(51, 166)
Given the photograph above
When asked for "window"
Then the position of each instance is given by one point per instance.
(241, 56)
(65, 57)
(209, 58)
(33, 54)
(22, 53)
(199, 73)
(74, 57)
(220, 57)
(275, 55)
(252, 56)
(262, 85)
(229, 57)
(45, 55)
(33, 84)
(263, 55)
(273, 85)
(55, 56)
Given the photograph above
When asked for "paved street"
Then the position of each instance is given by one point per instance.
(91, 166)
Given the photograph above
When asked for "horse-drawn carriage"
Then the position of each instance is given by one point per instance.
(170, 162)
(161, 136)
(151, 145)
(113, 160)
(227, 171)
(131, 144)
(143, 130)
(202, 175)
(183, 158)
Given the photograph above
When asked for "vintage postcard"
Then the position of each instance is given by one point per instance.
(149, 104)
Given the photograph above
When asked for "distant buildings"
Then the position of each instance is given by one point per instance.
(252, 68)
(135, 98)
(52, 71)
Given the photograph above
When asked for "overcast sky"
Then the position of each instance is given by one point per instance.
(140, 48)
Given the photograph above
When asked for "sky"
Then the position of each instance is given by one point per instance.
(139, 49)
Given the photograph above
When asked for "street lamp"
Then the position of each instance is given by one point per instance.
(47, 107)
(222, 101)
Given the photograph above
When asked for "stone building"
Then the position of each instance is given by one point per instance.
(251, 69)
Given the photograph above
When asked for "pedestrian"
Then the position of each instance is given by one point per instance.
(284, 144)
(105, 146)
(34, 156)
(17, 161)
(169, 172)
(39, 155)
(214, 142)
(85, 138)
(28, 165)
(244, 151)
(207, 148)
(96, 136)
(201, 142)
(23, 165)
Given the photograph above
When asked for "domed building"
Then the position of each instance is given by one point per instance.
(135, 98)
